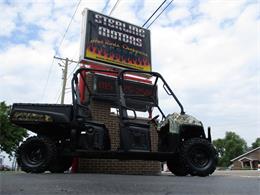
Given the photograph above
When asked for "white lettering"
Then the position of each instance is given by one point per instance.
(98, 18)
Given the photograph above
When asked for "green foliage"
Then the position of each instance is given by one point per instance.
(256, 143)
(229, 147)
(10, 135)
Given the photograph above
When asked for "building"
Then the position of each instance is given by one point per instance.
(248, 160)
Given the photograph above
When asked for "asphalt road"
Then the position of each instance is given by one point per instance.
(224, 182)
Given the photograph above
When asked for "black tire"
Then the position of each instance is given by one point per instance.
(60, 164)
(35, 154)
(177, 168)
(199, 156)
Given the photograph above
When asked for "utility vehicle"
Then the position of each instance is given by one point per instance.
(67, 131)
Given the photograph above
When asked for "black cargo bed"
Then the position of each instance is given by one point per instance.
(43, 118)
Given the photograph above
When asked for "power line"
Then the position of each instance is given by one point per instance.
(105, 7)
(73, 70)
(160, 13)
(50, 68)
(154, 13)
(65, 64)
(59, 94)
(72, 17)
(112, 10)
(47, 81)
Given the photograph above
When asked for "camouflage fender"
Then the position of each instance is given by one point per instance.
(176, 120)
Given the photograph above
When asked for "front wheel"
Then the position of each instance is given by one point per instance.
(199, 156)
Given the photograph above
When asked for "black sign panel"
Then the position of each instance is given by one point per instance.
(139, 96)
(112, 41)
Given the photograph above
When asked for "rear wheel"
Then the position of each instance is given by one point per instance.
(199, 156)
(35, 154)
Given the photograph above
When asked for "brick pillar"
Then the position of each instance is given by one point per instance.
(101, 112)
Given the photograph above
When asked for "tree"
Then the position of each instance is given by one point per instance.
(229, 147)
(10, 135)
(256, 143)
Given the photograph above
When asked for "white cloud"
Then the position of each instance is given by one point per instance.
(178, 13)
(23, 71)
(8, 15)
(217, 10)
(213, 70)
(33, 13)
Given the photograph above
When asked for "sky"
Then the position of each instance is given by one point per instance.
(207, 50)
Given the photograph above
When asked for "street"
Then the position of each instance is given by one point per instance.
(221, 182)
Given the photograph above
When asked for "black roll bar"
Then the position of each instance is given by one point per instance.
(120, 80)
(157, 75)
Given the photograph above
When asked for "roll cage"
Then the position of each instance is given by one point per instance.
(121, 95)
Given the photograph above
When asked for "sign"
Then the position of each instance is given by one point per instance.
(139, 96)
(111, 41)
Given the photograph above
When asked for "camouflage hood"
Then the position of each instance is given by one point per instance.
(175, 120)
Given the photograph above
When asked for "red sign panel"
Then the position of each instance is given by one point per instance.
(139, 96)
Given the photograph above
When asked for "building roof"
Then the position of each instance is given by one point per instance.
(241, 159)
(245, 154)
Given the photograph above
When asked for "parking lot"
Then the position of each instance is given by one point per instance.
(221, 182)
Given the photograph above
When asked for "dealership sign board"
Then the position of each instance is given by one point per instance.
(110, 41)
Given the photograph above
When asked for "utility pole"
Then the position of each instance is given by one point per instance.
(64, 75)
(64, 78)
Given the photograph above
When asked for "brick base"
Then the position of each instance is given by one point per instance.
(114, 166)
(101, 112)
